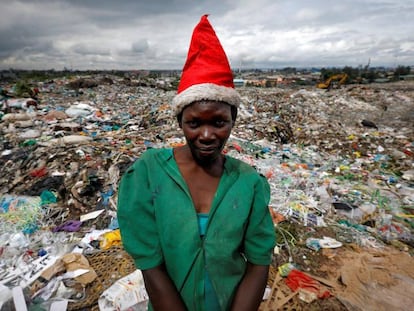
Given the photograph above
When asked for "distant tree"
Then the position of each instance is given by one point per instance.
(353, 73)
(371, 75)
(289, 70)
(154, 74)
(401, 71)
(327, 72)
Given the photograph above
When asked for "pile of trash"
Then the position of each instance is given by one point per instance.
(339, 162)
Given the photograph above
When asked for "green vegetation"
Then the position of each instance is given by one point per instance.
(401, 71)
(360, 74)
(366, 75)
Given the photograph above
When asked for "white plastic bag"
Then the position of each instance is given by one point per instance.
(128, 292)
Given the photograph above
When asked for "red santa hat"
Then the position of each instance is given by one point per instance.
(206, 74)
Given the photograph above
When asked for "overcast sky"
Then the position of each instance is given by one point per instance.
(155, 34)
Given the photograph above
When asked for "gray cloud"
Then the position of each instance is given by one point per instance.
(91, 49)
(140, 46)
(130, 34)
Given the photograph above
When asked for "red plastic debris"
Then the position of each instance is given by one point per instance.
(298, 280)
(39, 172)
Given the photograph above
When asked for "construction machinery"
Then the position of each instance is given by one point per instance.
(337, 79)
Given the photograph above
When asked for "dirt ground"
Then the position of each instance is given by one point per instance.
(317, 263)
(353, 275)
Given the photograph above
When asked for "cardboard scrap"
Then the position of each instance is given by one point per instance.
(71, 262)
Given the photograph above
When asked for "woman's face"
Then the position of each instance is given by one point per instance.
(207, 126)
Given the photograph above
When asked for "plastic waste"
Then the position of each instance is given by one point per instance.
(128, 293)
(48, 197)
(285, 269)
(29, 142)
(313, 244)
(68, 140)
(19, 240)
(5, 295)
(408, 175)
(297, 280)
(109, 239)
(69, 226)
(80, 110)
(18, 212)
(30, 134)
(11, 117)
(326, 242)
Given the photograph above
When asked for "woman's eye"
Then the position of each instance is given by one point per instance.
(219, 122)
(192, 123)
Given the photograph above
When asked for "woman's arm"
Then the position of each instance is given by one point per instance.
(161, 290)
(249, 294)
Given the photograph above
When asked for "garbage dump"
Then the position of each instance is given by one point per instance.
(340, 165)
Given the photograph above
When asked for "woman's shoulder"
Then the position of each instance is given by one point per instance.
(152, 153)
(151, 156)
(241, 166)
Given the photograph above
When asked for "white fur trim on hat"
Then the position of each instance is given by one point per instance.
(205, 91)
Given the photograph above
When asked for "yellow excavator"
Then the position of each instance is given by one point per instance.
(338, 79)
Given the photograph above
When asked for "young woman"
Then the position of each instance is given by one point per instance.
(195, 221)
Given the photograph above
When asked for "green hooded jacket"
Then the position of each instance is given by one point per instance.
(158, 225)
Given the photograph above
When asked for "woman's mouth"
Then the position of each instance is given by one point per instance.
(206, 151)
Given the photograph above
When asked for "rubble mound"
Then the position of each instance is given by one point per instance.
(339, 163)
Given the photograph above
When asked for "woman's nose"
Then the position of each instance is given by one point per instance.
(206, 132)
